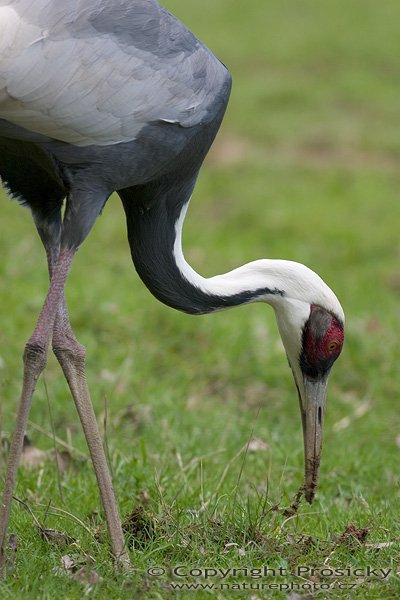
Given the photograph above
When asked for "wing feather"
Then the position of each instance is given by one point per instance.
(98, 72)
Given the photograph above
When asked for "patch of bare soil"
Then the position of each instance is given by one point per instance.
(294, 507)
(139, 525)
(353, 534)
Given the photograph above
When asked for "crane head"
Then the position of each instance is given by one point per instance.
(313, 336)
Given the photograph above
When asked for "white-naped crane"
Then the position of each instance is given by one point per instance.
(98, 96)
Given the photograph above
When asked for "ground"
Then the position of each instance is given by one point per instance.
(199, 414)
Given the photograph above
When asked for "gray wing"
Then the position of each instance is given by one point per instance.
(96, 72)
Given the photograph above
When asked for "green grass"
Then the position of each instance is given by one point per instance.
(305, 168)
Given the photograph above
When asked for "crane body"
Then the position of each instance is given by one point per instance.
(99, 96)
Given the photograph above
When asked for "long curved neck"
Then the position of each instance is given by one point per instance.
(155, 224)
(243, 285)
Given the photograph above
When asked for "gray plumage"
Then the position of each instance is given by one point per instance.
(99, 96)
(96, 97)
(97, 72)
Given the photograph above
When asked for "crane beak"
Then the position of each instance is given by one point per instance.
(312, 404)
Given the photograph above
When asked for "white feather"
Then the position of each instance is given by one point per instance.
(300, 285)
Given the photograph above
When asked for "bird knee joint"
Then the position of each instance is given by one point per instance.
(74, 354)
(35, 356)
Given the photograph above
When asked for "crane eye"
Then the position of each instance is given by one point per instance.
(333, 345)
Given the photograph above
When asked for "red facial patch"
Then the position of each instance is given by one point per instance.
(323, 339)
(332, 342)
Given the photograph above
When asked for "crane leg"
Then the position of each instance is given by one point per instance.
(34, 362)
(71, 356)
(53, 324)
